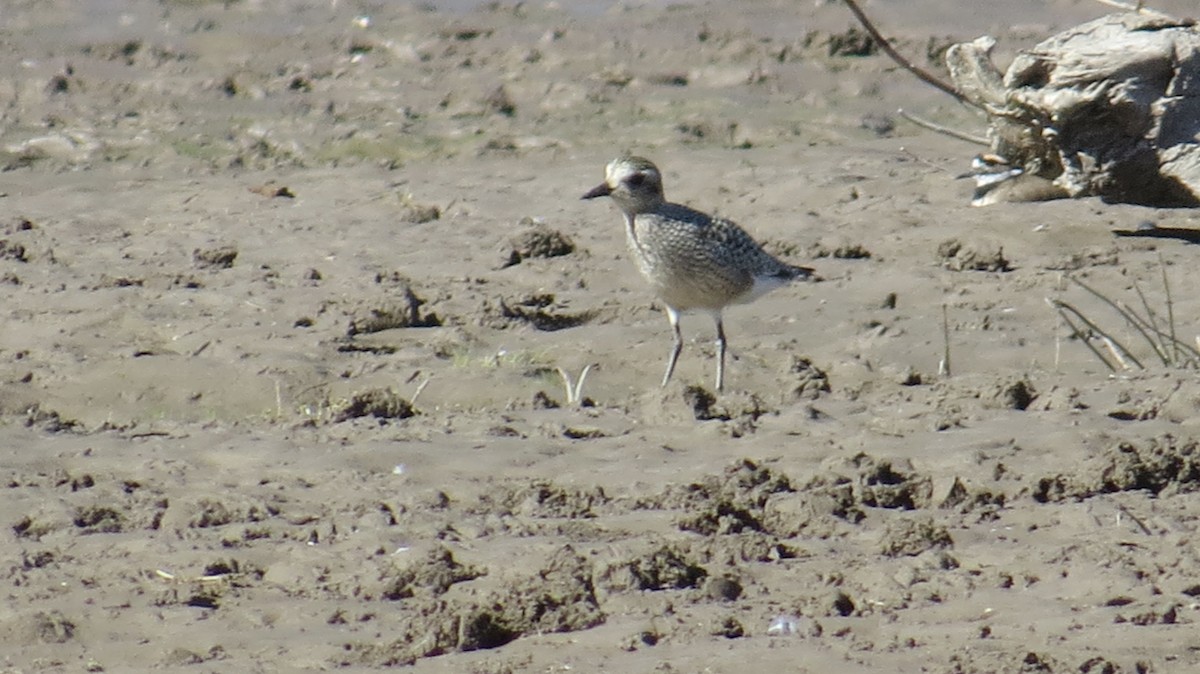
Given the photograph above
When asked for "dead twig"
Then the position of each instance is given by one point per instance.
(938, 128)
(1163, 340)
(1170, 305)
(1138, 7)
(1121, 509)
(1101, 333)
(1159, 347)
(574, 390)
(944, 366)
(420, 387)
(1075, 331)
(1128, 316)
(921, 73)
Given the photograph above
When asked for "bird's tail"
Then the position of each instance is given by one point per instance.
(805, 273)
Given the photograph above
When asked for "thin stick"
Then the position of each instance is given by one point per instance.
(1057, 350)
(945, 366)
(417, 394)
(1136, 520)
(1127, 315)
(921, 160)
(1160, 348)
(1078, 333)
(938, 128)
(1096, 329)
(1150, 332)
(574, 390)
(1139, 7)
(579, 384)
(888, 49)
(1112, 349)
(1170, 304)
(1188, 349)
(566, 380)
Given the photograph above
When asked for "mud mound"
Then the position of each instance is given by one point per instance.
(541, 311)
(741, 409)
(388, 314)
(665, 568)
(542, 499)
(1162, 466)
(910, 537)
(377, 403)
(431, 576)
(957, 255)
(537, 240)
(744, 481)
(810, 382)
(559, 597)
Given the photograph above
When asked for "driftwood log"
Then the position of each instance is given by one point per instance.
(1109, 108)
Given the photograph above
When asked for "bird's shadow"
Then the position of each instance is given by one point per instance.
(1180, 233)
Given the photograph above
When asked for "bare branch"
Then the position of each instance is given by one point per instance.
(1138, 7)
(888, 49)
(1079, 334)
(938, 128)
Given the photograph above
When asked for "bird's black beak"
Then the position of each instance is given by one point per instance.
(601, 190)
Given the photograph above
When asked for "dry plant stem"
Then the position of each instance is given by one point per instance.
(1112, 350)
(1075, 331)
(579, 384)
(1149, 327)
(1097, 330)
(1127, 315)
(938, 128)
(1150, 332)
(1170, 304)
(946, 341)
(1185, 353)
(921, 160)
(888, 49)
(574, 390)
(417, 394)
(1160, 349)
(1139, 6)
(566, 381)
(1136, 520)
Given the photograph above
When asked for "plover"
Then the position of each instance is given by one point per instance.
(997, 181)
(693, 261)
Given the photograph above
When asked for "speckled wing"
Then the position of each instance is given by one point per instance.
(695, 260)
(731, 244)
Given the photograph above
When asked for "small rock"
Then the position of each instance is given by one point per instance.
(221, 257)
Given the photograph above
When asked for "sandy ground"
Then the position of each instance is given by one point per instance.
(287, 286)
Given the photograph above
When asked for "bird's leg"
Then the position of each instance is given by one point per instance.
(673, 316)
(720, 354)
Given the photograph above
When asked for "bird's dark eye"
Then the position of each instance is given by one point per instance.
(636, 179)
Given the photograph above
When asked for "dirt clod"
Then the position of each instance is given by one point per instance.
(957, 255)
(542, 312)
(220, 257)
(378, 403)
(537, 241)
(404, 313)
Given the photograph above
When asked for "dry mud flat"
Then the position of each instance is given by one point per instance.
(287, 287)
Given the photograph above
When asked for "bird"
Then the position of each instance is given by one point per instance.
(998, 181)
(693, 261)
